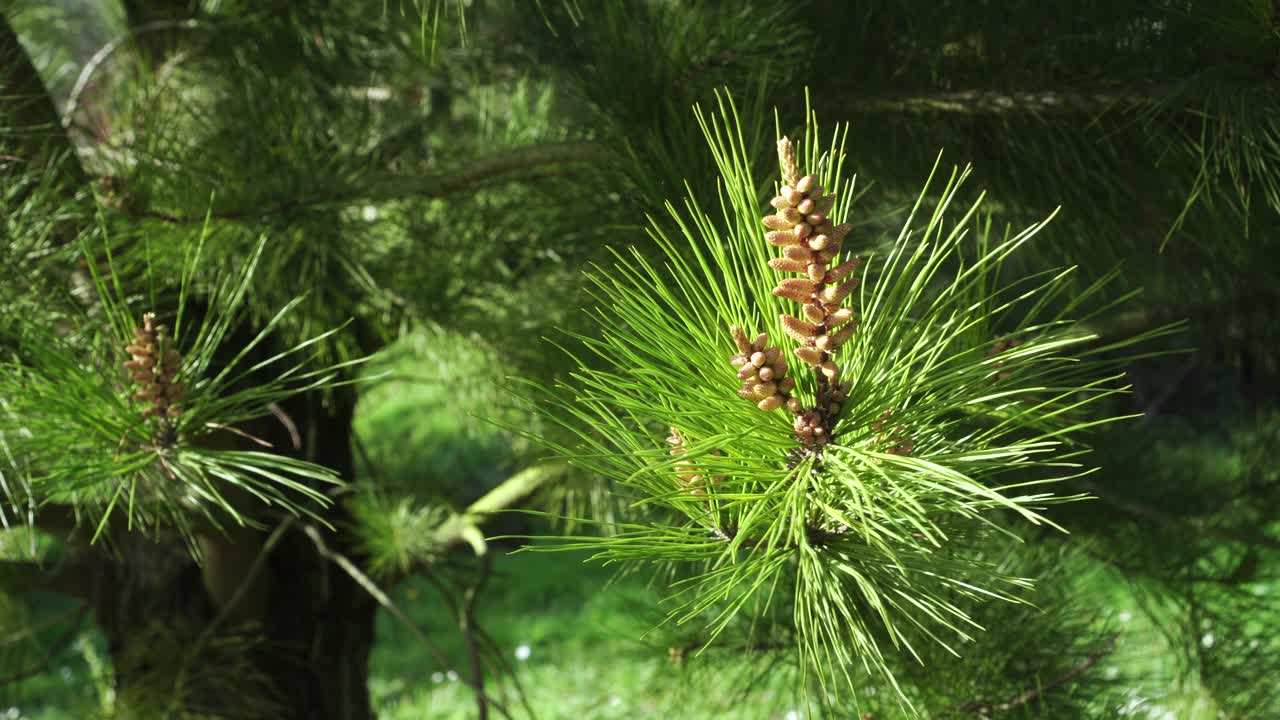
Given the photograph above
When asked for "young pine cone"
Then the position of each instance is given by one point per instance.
(687, 474)
(154, 365)
(763, 372)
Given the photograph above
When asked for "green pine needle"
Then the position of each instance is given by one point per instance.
(72, 433)
(866, 545)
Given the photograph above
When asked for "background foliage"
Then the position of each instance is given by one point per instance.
(434, 177)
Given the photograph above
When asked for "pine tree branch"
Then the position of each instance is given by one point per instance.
(510, 166)
(507, 166)
(64, 577)
(1140, 510)
(1171, 94)
(505, 496)
(991, 102)
(984, 709)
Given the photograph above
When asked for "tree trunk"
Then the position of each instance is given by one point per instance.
(320, 622)
(301, 654)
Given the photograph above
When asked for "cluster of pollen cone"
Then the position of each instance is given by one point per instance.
(154, 365)
(810, 245)
(763, 373)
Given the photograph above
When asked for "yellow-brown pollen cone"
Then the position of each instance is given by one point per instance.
(810, 243)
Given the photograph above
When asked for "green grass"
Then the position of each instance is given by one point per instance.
(591, 652)
(588, 655)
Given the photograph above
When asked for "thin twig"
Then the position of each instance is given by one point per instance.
(387, 604)
(37, 629)
(237, 431)
(207, 634)
(467, 624)
(294, 436)
(506, 669)
(1170, 389)
(259, 562)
